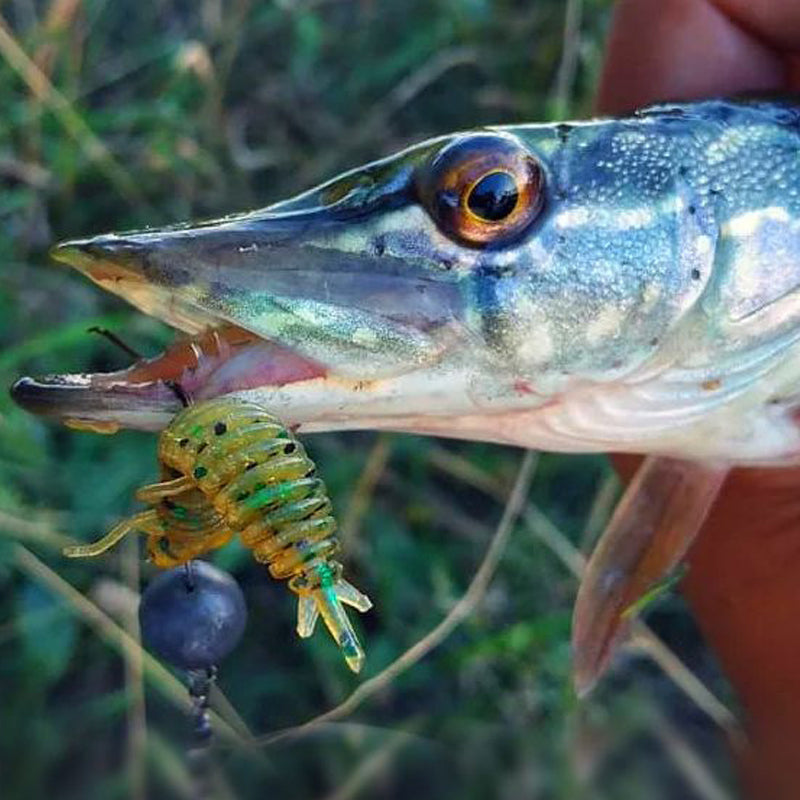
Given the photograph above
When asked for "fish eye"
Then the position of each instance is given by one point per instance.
(493, 197)
(482, 189)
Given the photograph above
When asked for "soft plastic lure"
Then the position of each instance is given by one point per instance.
(229, 467)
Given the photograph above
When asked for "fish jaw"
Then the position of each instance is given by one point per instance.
(148, 394)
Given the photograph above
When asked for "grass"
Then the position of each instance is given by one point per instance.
(120, 115)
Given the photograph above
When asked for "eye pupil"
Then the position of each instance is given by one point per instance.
(493, 197)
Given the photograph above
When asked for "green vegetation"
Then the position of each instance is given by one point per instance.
(121, 114)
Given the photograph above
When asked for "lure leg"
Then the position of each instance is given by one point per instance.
(654, 524)
(326, 600)
(156, 492)
(146, 522)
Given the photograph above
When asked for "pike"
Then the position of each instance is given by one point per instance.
(621, 284)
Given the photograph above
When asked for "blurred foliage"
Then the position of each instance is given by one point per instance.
(122, 114)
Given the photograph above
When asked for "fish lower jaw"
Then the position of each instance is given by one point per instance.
(146, 395)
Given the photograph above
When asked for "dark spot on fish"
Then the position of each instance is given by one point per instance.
(495, 271)
(654, 341)
(563, 131)
(446, 264)
(695, 274)
(290, 448)
(220, 428)
(183, 442)
(692, 210)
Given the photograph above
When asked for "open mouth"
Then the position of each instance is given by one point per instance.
(305, 303)
(255, 316)
(217, 361)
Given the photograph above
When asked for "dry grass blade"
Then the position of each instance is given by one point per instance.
(116, 637)
(371, 126)
(690, 765)
(170, 765)
(565, 77)
(226, 709)
(573, 559)
(134, 682)
(33, 530)
(459, 467)
(364, 489)
(600, 512)
(75, 126)
(460, 611)
(642, 636)
(370, 767)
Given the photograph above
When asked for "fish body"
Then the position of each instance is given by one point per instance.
(621, 284)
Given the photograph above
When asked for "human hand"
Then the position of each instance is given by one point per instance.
(743, 581)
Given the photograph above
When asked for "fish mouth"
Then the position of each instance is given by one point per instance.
(297, 304)
(146, 395)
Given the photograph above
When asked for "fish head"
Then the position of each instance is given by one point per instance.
(471, 275)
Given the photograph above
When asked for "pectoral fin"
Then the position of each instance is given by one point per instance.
(651, 530)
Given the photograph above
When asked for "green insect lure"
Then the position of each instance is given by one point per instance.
(229, 467)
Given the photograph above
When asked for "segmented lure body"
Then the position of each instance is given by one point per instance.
(228, 467)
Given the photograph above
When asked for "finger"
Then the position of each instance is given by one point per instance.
(742, 587)
(777, 23)
(681, 50)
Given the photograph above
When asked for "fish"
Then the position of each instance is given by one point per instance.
(618, 284)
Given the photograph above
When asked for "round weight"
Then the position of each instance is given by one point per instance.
(192, 617)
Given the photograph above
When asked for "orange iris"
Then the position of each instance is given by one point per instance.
(483, 189)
